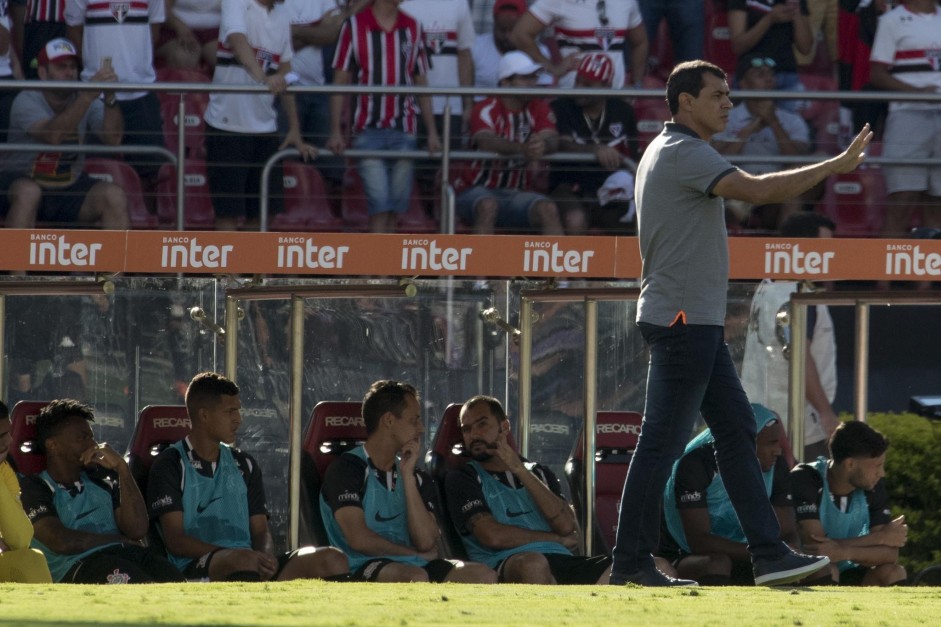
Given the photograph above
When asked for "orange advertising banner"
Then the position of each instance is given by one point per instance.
(357, 254)
(62, 251)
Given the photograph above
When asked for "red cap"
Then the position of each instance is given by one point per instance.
(56, 50)
(516, 6)
(596, 67)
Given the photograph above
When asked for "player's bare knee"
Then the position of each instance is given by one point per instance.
(527, 568)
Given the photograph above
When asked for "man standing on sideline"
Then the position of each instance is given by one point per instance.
(843, 510)
(378, 508)
(510, 511)
(208, 499)
(681, 181)
(88, 514)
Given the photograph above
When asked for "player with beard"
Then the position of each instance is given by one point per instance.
(510, 512)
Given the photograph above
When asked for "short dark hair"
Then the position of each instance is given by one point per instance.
(205, 390)
(4, 410)
(806, 224)
(56, 415)
(687, 78)
(493, 404)
(385, 396)
(856, 439)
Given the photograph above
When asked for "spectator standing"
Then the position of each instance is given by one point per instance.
(856, 32)
(242, 128)
(190, 36)
(51, 186)
(597, 195)
(614, 28)
(88, 515)
(843, 509)
(383, 122)
(905, 58)
(772, 29)
(492, 44)
(35, 23)
(493, 193)
(760, 128)
(686, 22)
(122, 36)
(9, 69)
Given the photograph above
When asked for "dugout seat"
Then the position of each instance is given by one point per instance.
(306, 207)
(616, 434)
(194, 133)
(125, 177)
(446, 454)
(24, 449)
(158, 426)
(334, 428)
(856, 202)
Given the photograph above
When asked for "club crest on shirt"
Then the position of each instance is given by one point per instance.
(435, 40)
(265, 60)
(616, 129)
(120, 10)
(604, 37)
(934, 59)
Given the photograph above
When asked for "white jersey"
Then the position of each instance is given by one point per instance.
(308, 61)
(269, 34)
(579, 29)
(765, 369)
(910, 43)
(447, 27)
(763, 143)
(198, 14)
(487, 58)
(119, 31)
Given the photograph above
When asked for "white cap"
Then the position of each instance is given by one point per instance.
(516, 63)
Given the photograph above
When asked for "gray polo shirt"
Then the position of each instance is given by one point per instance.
(683, 242)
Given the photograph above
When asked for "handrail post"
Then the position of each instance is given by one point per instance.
(588, 426)
(861, 361)
(180, 165)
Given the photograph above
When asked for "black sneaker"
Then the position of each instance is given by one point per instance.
(649, 578)
(788, 568)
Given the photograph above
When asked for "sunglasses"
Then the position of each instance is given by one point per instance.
(763, 61)
(602, 12)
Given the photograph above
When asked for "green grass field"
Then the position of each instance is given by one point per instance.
(320, 603)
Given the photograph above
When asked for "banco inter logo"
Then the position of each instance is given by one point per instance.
(186, 252)
(540, 256)
(906, 260)
(303, 252)
(786, 258)
(56, 250)
(423, 254)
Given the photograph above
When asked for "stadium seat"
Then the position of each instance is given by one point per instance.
(125, 177)
(334, 428)
(856, 202)
(194, 137)
(616, 434)
(354, 210)
(24, 451)
(306, 207)
(718, 38)
(822, 115)
(180, 75)
(651, 113)
(198, 209)
(158, 426)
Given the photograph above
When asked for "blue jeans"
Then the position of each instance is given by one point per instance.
(387, 182)
(686, 21)
(691, 371)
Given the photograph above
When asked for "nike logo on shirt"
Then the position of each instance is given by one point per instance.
(201, 508)
(517, 514)
(381, 518)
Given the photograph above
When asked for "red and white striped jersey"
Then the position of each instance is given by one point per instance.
(269, 34)
(911, 44)
(578, 28)
(492, 116)
(377, 57)
(448, 27)
(45, 11)
(120, 30)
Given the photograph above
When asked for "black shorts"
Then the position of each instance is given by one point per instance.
(571, 570)
(437, 570)
(198, 569)
(854, 576)
(123, 563)
(58, 205)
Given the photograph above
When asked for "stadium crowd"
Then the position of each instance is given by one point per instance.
(790, 45)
